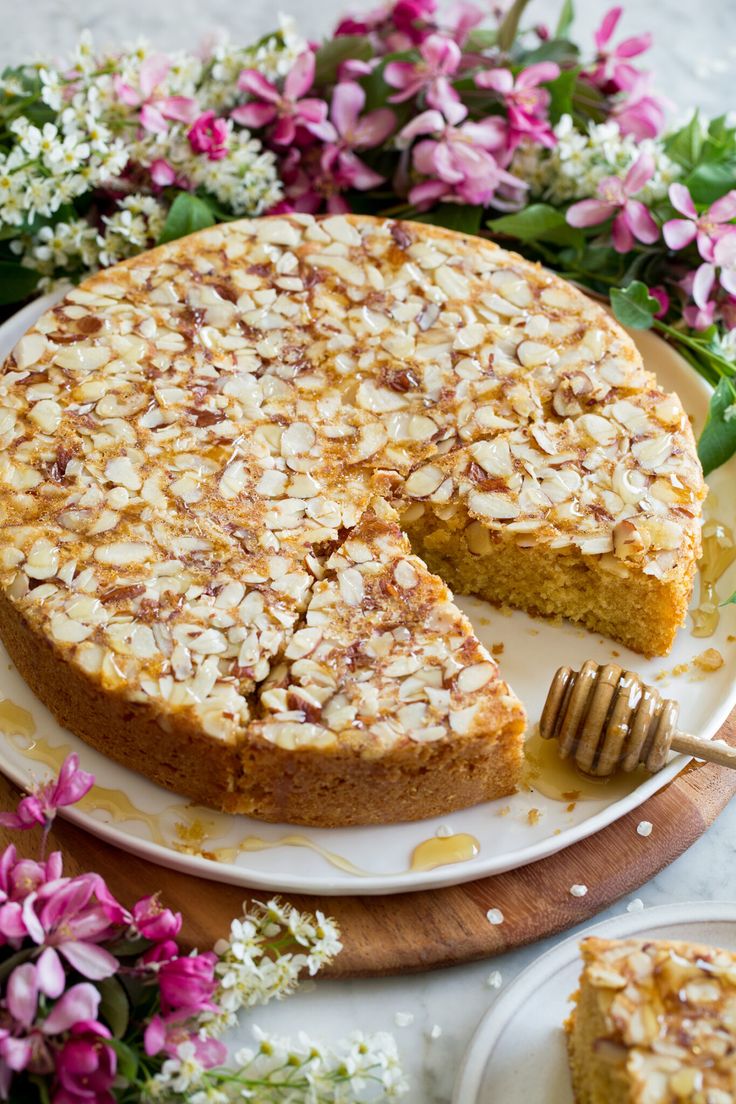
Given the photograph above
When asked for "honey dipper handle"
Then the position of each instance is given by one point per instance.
(713, 751)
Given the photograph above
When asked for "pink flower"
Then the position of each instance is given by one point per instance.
(639, 112)
(461, 18)
(612, 71)
(459, 162)
(23, 1041)
(286, 110)
(660, 294)
(339, 164)
(41, 805)
(440, 60)
(168, 1035)
(155, 111)
(86, 1066)
(707, 228)
(701, 282)
(700, 318)
(527, 104)
(154, 922)
(403, 24)
(75, 915)
(187, 985)
(412, 19)
(632, 219)
(161, 952)
(209, 135)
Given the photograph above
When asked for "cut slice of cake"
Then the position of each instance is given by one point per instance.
(654, 1023)
(386, 706)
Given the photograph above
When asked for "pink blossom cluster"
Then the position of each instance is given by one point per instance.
(206, 133)
(430, 141)
(710, 288)
(636, 109)
(60, 935)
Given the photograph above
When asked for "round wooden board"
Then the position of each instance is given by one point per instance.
(409, 932)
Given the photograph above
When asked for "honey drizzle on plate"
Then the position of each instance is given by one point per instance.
(561, 780)
(443, 851)
(719, 552)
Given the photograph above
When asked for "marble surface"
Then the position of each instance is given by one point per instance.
(693, 60)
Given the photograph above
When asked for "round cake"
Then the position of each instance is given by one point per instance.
(230, 466)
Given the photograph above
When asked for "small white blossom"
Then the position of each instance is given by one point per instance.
(574, 167)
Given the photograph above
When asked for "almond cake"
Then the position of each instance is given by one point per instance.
(654, 1023)
(222, 461)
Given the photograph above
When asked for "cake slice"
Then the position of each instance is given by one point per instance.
(654, 1023)
(386, 706)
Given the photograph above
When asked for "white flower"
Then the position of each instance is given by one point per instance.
(51, 88)
(574, 167)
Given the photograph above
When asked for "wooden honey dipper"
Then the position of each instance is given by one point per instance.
(607, 719)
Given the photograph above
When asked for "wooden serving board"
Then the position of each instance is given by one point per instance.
(409, 932)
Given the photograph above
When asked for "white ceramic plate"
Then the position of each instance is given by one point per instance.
(131, 812)
(515, 1056)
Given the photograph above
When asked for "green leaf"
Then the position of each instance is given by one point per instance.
(709, 181)
(684, 145)
(16, 282)
(509, 27)
(127, 1060)
(561, 91)
(187, 214)
(479, 39)
(332, 54)
(730, 601)
(114, 1006)
(560, 50)
(453, 216)
(565, 21)
(717, 442)
(538, 222)
(634, 306)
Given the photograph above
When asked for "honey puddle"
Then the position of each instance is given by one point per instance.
(561, 780)
(443, 851)
(719, 552)
(16, 721)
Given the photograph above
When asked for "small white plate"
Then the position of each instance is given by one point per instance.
(129, 811)
(518, 1052)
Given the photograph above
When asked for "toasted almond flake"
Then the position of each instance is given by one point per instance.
(493, 505)
(123, 553)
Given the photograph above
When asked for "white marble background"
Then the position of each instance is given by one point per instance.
(694, 57)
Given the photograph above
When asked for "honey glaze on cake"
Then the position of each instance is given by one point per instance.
(190, 440)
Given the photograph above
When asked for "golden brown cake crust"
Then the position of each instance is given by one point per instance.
(191, 442)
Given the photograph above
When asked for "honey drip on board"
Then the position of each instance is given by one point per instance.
(561, 780)
(443, 851)
(719, 552)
